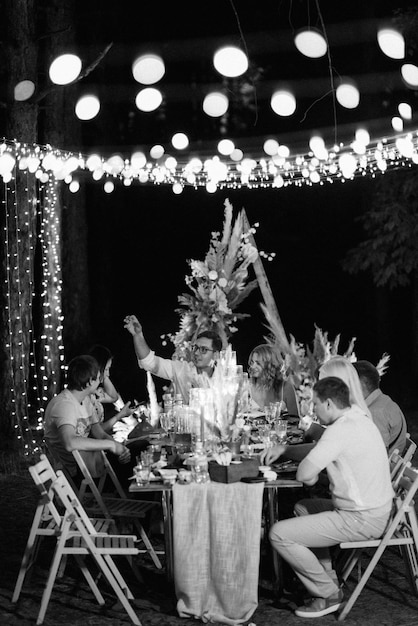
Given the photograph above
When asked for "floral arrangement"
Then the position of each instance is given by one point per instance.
(303, 363)
(218, 285)
(300, 363)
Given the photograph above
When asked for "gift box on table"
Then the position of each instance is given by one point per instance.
(233, 473)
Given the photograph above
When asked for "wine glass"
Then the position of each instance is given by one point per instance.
(167, 422)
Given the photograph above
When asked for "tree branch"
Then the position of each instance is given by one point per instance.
(42, 94)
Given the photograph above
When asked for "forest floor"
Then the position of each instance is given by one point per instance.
(387, 600)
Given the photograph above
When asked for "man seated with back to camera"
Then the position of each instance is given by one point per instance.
(183, 374)
(354, 455)
(71, 422)
(386, 414)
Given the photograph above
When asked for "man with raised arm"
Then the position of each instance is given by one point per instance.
(71, 422)
(183, 374)
(354, 455)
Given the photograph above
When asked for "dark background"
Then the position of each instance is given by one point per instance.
(140, 239)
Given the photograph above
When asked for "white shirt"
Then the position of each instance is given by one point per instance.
(354, 455)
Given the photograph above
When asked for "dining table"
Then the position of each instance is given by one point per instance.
(212, 534)
(212, 543)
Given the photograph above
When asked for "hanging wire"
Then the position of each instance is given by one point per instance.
(248, 57)
(331, 75)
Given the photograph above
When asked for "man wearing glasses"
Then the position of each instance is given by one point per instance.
(183, 374)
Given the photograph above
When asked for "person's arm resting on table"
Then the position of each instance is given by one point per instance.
(100, 434)
(293, 453)
(307, 473)
(71, 441)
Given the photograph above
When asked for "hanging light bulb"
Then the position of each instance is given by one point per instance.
(283, 103)
(405, 110)
(179, 141)
(215, 104)
(311, 43)
(65, 69)
(391, 43)
(271, 147)
(348, 95)
(87, 107)
(230, 61)
(409, 73)
(148, 69)
(148, 99)
(24, 90)
(226, 146)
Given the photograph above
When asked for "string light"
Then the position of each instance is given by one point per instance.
(232, 171)
(33, 377)
(34, 373)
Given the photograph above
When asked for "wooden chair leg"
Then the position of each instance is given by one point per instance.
(148, 544)
(90, 580)
(29, 554)
(361, 584)
(104, 563)
(50, 582)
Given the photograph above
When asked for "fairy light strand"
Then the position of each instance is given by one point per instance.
(340, 162)
(33, 375)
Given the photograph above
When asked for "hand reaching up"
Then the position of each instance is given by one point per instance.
(132, 324)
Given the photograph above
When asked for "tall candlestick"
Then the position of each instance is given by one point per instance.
(202, 422)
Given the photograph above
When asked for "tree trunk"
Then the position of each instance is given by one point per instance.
(61, 129)
(19, 228)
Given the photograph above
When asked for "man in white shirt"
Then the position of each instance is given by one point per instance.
(184, 374)
(71, 422)
(354, 455)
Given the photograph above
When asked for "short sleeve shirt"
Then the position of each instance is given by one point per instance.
(354, 455)
(65, 410)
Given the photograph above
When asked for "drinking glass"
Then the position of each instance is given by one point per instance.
(281, 430)
(166, 422)
(142, 474)
(270, 413)
(146, 459)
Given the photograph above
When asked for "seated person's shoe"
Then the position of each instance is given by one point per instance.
(317, 607)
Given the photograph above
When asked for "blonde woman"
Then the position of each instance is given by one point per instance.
(266, 380)
(341, 367)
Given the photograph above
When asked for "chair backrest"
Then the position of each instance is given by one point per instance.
(88, 484)
(410, 448)
(57, 491)
(110, 473)
(407, 485)
(57, 463)
(44, 475)
(75, 513)
(397, 464)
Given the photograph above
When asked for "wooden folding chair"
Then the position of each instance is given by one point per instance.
(409, 450)
(402, 530)
(397, 464)
(118, 508)
(76, 535)
(45, 524)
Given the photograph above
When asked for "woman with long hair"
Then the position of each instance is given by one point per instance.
(341, 367)
(266, 380)
(106, 392)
